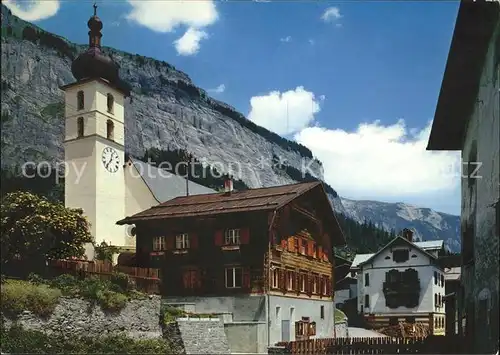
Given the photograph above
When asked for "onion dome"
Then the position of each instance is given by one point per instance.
(93, 63)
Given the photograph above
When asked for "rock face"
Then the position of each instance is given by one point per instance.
(428, 224)
(72, 316)
(166, 110)
(203, 336)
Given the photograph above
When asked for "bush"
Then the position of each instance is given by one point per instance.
(169, 314)
(121, 280)
(35, 279)
(17, 340)
(18, 296)
(68, 284)
(111, 301)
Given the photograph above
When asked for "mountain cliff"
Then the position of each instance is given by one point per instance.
(166, 111)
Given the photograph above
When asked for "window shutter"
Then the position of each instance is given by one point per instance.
(193, 240)
(291, 245)
(283, 243)
(169, 242)
(185, 278)
(245, 236)
(246, 278)
(281, 281)
(219, 239)
(297, 282)
(309, 284)
(320, 252)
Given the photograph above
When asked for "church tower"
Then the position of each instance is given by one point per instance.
(94, 140)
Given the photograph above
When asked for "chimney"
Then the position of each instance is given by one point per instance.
(408, 234)
(228, 185)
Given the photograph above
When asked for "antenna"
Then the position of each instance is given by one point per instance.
(95, 8)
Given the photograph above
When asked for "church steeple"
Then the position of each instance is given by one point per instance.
(95, 25)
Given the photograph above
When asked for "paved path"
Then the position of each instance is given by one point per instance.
(364, 333)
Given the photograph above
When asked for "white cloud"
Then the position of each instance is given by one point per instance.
(165, 16)
(219, 89)
(382, 161)
(33, 10)
(284, 113)
(331, 14)
(286, 39)
(189, 43)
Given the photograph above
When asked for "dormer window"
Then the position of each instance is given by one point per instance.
(110, 130)
(111, 103)
(232, 237)
(80, 127)
(182, 241)
(80, 100)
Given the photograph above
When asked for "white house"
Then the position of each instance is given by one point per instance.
(402, 282)
(98, 179)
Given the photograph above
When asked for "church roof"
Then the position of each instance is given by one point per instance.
(164, 185)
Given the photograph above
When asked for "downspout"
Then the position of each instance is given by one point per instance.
(268, 287)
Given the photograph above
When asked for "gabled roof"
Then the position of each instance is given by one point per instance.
(164, 185)
(398, 239)
(474, 27)
(359, 259)
(262, 199)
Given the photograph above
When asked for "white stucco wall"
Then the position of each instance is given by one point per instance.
(377, 275)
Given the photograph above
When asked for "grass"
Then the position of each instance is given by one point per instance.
(339, 316)
(17, 340)
(170, 314)
(41, 296)
(18, 296)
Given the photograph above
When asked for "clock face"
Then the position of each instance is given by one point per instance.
(110, 159)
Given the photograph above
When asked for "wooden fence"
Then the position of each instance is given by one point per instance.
(145, 280)
(429, 345)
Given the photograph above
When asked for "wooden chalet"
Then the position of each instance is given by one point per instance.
(276, 239)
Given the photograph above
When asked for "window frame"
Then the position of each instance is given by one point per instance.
(232, 236)
(303, 282)
(275, 277)
(159, 243)
(80, 127)
(234, 278)
(289, 280)
(367, 279)
(182, 240)
(367, 301)
(80, 100)
(110, 130)
(110, 103)
(322, 312)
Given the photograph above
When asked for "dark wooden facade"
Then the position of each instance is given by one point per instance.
(285, 250)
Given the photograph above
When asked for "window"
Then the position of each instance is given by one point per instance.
(159, 243)
(367, 279)
(275, 277)
(302, 283)
(110, 102)
(296, 244)
(110, 128)
(367, 301)
(303, 245)
(315, 284)
(232, 236)
(322, 312)
(325, 284)
(442, 280)
(290, 280)
(400, 256)
(314, 250)
(80, 98)
(182, 241)
(436, 304)
(233, 277)
(278, 311)
(80, 127)
(435, 278)
(191, 279)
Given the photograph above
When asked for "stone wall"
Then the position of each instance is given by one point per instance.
(341, 330)
(73, 316)
(203, 335)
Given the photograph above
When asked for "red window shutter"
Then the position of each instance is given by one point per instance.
(320, 252)
(291, 244)
(169, 242)
(246, 278)
(193, 240)
(219, 239)
(245, 236)
(284, 243)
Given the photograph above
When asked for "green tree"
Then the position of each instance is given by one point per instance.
(32, 228)
(105, 252)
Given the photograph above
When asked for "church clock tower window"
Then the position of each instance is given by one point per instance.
(110, 127)
(111, 102)
(81, 100)
(80, 126)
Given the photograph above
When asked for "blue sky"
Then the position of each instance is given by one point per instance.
(357, 82)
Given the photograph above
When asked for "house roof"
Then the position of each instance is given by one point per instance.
(475, 24)
(262, 199)
(392, 242)
(452, 274)
(164, 185)
(430, 244)
(359, 259)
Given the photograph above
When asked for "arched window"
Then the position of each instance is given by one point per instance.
(80, 127)
(81, 100)
(110, 127)
(111, 102)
